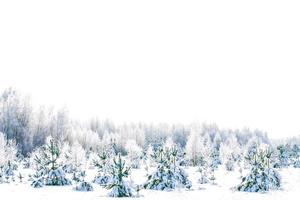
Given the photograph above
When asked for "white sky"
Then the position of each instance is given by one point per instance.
(230, 62)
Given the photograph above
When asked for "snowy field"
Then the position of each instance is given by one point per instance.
(220, 191)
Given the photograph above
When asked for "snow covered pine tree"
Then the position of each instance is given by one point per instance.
(48, 172)
(82, 185)
(262, 176)
(102, 162)
(168, 175)
(118, 185)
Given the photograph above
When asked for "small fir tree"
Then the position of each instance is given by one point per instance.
(48, 171)
(81, 184)
(203, 174)
(283, 155)
(295, 156)
(118, 185)
(262, 177)
(102, 162)
(168, 174)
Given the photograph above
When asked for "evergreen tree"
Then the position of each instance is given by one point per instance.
(81, 184)
(215, 157)
(102, 162)
(168, 175)
(147, 159)
(295, 155)
(262, 177)
(48, 170)
(284, 155)
(118, 185)
(203, 174)
(203, 168)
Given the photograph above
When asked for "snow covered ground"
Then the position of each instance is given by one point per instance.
(221, 191)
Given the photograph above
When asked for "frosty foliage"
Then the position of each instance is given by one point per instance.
(134, 153)
(168, 174)
(262, 177)
(196, 149)
(73, 158)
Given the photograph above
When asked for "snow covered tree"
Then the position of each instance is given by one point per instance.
(212, 176)
(204, 178)
(295, 156)
(118, 185)
(230, 153)
(168, 174)
(262, 177)
(148, 161)
(81, 184)
(8, 152)
(73, 158)
(284, 155)
(88, 139)
(48, 170)
(134, 153)
(215, 158)
(102, 161)
(215, 152)
(15, 118)
(194, 148)
(204, 165)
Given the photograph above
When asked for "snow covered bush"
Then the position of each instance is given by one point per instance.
(81, 184)
(102, 162)
(118, 186)
(48, 170)
(168, 174)
(262, 177)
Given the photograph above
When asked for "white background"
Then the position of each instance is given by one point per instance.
(230, 62)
